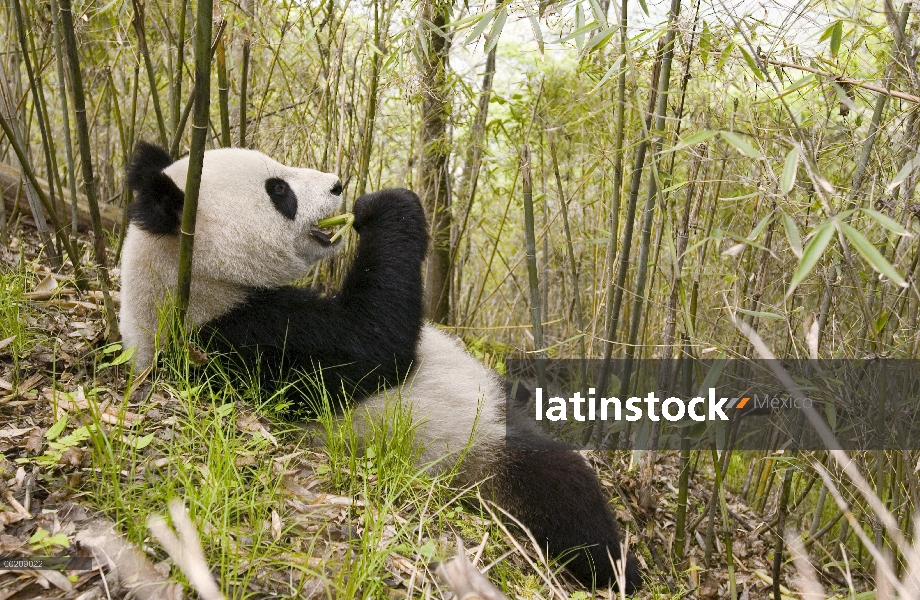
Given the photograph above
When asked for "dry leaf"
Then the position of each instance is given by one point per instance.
(466, 581)
(44, 290)
(13, 432)
(276, 525)
(7, 342)
(128, 564)
(77, 401)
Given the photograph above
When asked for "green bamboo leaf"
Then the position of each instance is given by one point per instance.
(724, 56)
(761, 315)
(614, 69)
(887, 222)
(787, 180)
(535, 26)
(752, 65)
(872, 255)
(579, 26)
(139, 443)
(905, 171)
(577, 34)
(496, 30)
(831, 412)
(843, 97)
(758, 229)
(836, 36)
(705, 43)
(599, 15)
(600, 39)
(740, 144)
(644, 7)
(806, 80)
(691, 140)
(484, 21)
(812, 253)
(56, 429)
(792, 234)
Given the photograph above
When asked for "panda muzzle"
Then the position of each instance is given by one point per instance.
(325, 232)
(323, 236)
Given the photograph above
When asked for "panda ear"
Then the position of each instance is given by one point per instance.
(157, 205)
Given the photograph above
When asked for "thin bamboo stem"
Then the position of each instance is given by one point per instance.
(141, 32)
(86, 160)
(203, 25)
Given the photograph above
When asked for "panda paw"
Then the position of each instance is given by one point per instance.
(394, 213)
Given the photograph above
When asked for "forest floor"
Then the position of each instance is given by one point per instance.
(87, 454)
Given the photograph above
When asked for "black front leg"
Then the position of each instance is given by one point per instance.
(364, 336)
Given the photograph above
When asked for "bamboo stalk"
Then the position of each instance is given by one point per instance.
(38, 102)
(434, 153)
(86, 160)
(613, 316)
(863, 162)
(203, 24)
(33, 181)
(176, 90)
(469, 177)
(18, 129)
(244, 69)
(683, 480)
(189, 104)
(371, 111)
(649, 209)
(719, 491)
(530, 242)
(780, 532)
(140, 31)
(570, 255)
(223, 89)
(65, 114)
(617, 188)
(127, 192)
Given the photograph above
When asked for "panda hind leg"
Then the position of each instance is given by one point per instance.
(558, 498)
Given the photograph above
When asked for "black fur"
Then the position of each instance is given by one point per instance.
(157, 205)
(554, 494)
(557, 497)
(365, 335)
(282, 196)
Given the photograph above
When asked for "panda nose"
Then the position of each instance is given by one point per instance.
(337, 189)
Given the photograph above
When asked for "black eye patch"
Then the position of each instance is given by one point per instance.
(282, 197)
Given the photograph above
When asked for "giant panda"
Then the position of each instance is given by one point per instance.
(256, 235)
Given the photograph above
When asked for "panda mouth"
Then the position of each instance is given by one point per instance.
(324, 236)
(329, 231)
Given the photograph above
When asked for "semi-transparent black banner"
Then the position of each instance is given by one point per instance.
(742, 404)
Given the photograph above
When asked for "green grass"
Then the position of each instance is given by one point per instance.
(14, 312)
(191, 446)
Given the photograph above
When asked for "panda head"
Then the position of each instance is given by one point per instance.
(256, 221)
(255, 228)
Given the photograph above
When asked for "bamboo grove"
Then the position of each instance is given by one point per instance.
(602, 179)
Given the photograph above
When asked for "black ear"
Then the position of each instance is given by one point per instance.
(157, 205)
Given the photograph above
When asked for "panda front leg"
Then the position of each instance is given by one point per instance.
(363, 336)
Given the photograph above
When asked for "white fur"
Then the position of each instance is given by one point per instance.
(454, 399)
(241, 240)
